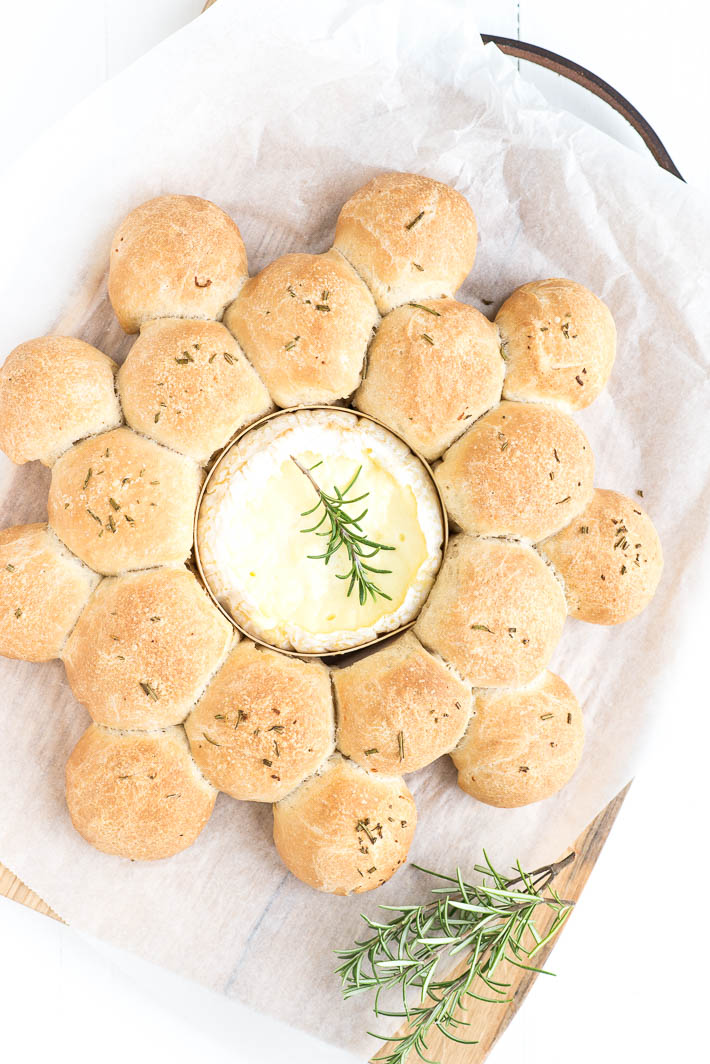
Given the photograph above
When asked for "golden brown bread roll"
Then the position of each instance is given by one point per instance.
(559, 341)
(145, 647)
(53, 391)
(345, 831)
(304, 323)
(137, 794)
(431, 370)
(495, 613)
(194, 374)
(609, 558)
(409, 238)
(43, 589)
(522, 470)
(122, 502)
(263, 725)
(399, 708)
(522, 745)
(174, 257)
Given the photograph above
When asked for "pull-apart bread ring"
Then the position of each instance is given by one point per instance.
(54, 391)
(432, 369)
(495, 613)
(609, 558)
(264, 724)
(559, 342)
(399, 708)
(175, 257)
(145, 647)
(345, 831)
(522, 470)
(409, 238)
(187, 385)
(304, 323)
(521, 745)
(120, 501)
(43, 589)
(137, 794)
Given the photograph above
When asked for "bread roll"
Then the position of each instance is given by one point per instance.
(137, 794)
(523, 745)
(609, 558)
(53, 391)
(399, 708)
(43, 589)
(264, 724)
(495, 613)
(409, 238)
(145, 647)
(194, 374)
(559, 341)
(522, 470)
(122, 502)
(432, 370)
(305, 322)
(174, 257)
(345, 831)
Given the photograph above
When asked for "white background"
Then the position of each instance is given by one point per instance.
(631, 963)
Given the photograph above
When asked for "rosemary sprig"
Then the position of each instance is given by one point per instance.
(344, 530)
(493, 921)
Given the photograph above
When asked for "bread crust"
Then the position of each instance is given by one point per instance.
(432, 370)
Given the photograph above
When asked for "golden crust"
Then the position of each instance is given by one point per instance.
(194, 373)
(431, 372)
(522, 746)
(610, 559)
(43, 589)
(137, 794)
(523, 470)
(409, 238)
(495, 613)
(53, 391)
(264, 724)
(345, 831)
(122, 502)
(399, 708)
(174, 257)
(144, 648)
(559, 340)
(305, 322)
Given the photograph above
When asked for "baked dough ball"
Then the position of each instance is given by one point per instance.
(523, 745)
(122, 502)
(144, 648)
(431, 370)
(137, 794)
(522, 470)
(409, 238)
(53, 391)
(193, 374)
(175, 257)
(559, 341)
(495, 613)
(43, 589)
(399, 708)
(345, 831)
(264, 724)
(305, 322)
(609, 558)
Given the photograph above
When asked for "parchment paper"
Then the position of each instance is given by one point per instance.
(279, 113)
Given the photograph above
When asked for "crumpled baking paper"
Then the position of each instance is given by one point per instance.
(279, 118)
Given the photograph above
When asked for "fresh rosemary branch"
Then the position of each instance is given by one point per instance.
(493, 921)
(343, 530)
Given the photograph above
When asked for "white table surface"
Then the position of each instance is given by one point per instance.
(631, 964)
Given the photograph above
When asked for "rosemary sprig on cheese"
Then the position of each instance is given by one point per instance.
(345, 531)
